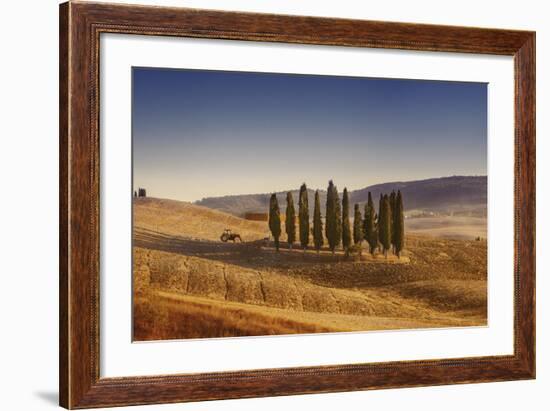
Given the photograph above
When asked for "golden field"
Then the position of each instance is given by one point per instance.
(188, 284)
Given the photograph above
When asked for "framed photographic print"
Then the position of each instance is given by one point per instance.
(258, 205)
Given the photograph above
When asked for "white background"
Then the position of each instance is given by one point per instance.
(28, 229)
(119, 357)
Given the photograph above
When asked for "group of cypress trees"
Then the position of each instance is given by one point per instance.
(385, 230)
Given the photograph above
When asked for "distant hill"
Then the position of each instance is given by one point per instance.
(435, 194)
(258, 203)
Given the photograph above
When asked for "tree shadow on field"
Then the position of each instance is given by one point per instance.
(250, 254)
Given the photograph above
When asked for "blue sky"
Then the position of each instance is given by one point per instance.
(210, 133)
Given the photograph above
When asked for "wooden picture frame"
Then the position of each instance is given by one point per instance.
(80, 27)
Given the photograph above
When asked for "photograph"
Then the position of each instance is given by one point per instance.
(281, 203)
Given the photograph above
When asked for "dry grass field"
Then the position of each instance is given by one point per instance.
(188, 284)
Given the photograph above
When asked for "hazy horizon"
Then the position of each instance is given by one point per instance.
(321, 189)
(199, 134)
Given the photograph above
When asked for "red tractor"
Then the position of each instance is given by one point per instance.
(228, 235)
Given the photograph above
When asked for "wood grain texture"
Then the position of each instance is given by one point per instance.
(525, 203)
(80, 27)
(63, 204)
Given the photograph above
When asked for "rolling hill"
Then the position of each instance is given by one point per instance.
(434, 194)
(188, 284)
(192, 221)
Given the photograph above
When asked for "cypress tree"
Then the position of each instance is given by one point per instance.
(378, 229)
(384, 224)
(370, 225)
(275, 219)
(357, 225)
(392, 219)
(357, 228)
(366, 222)
(317, 223)
(333, 227)
(290, 220)
(330, 213)
(399, 225)
(338, 209)
(376, 233)
(303, 216)
(346, 231)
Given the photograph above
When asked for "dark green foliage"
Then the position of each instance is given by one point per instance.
(376, 231)
(338, 217)
(384, 224)
(303, 216)
(392, 209)
(330, 214)
(317, 223)
(358, 230)
(346, 230)
(333, 226)
(399, 225)
(385, 230)
(275, 219)
(369, 226)
(378, 217)
(357, 225)
(290, 220)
